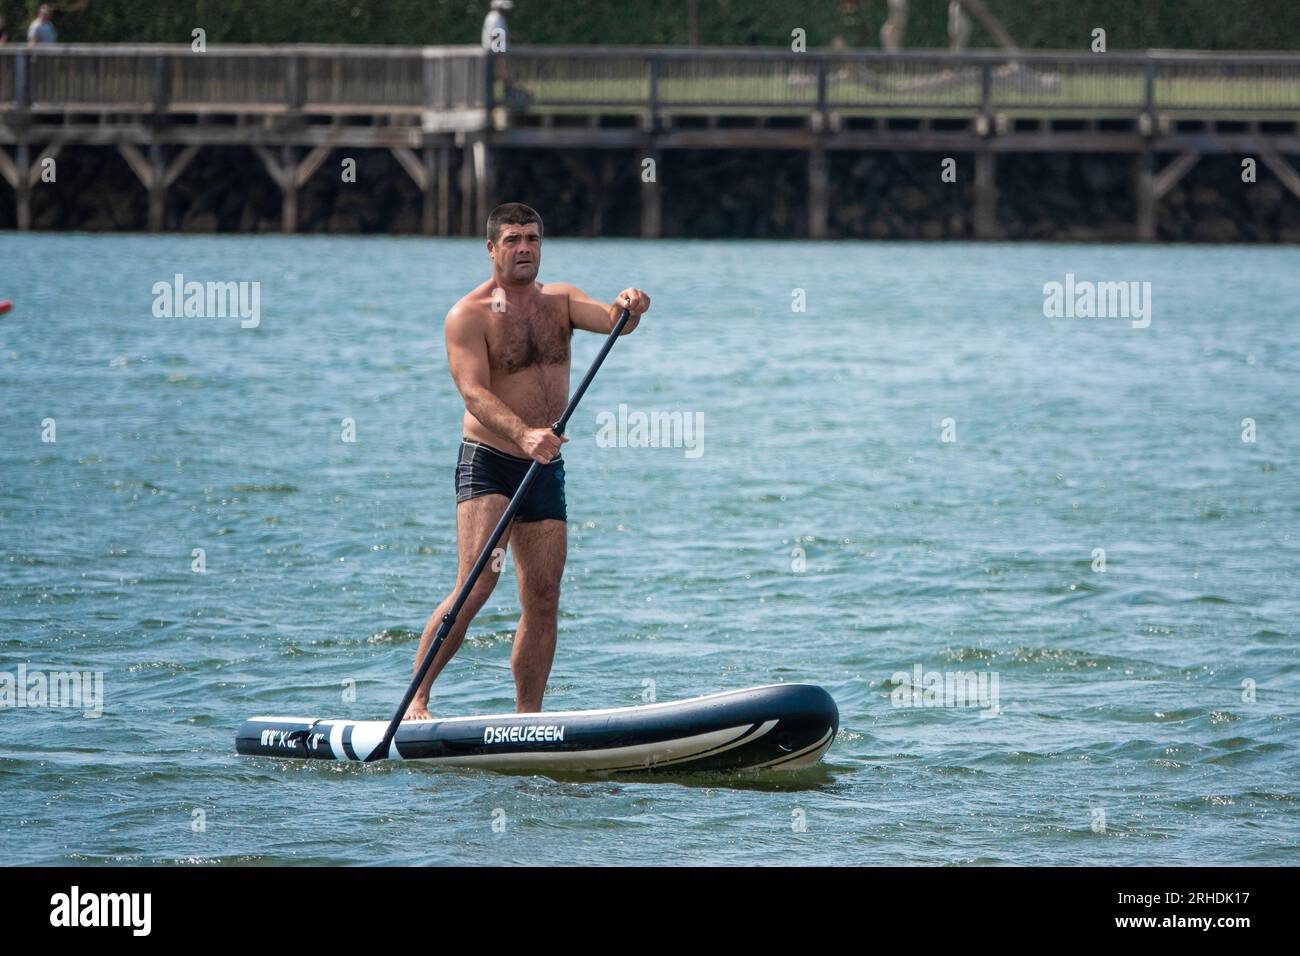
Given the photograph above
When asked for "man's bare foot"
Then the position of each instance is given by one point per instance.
(418, 711)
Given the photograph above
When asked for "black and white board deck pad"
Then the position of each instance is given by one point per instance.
(779, 726)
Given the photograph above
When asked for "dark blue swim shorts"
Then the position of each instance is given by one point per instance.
(483, 470)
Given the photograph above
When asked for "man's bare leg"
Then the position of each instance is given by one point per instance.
(475, 520)
(540, 548)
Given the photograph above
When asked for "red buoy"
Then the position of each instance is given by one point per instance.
(5, 306)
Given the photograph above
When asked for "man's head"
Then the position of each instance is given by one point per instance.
(45, 12)
(514, 237)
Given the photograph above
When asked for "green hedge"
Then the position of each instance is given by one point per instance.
(1055, 24)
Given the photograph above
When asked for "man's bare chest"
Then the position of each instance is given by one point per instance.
(525, 338)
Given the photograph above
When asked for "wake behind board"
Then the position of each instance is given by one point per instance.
(780, 727)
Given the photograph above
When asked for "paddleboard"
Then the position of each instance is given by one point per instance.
(777, 727)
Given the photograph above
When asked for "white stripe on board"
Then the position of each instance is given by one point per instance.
(803, 758)
(336, 740)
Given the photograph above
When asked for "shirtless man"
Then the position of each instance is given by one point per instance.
(508, 350)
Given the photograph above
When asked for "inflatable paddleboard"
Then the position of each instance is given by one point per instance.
(779, 727)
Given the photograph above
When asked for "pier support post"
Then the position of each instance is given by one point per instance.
(1283, 170)
(429, 208)
(9, 171)
(23, 187)
(157, 188)
(819, 191)
(421, 170)
(652, 197)
(156, 175)
(1144, 185)
(444, 190)
(1152, 186)
(466, 187)
(986, 195)
(289, 190)
(284, 173)
(291, 175)
(22, 174)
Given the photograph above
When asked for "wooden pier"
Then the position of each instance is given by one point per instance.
(292, 106)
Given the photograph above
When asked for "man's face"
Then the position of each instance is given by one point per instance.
(518, 253)
(44, 12)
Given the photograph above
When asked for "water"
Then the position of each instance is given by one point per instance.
(1126, 733)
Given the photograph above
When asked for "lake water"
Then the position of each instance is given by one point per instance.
(824, 531)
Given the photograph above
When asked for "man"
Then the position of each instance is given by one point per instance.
(494, 36)
(891, 34)
(958, 26)
(41, 29)
(508, 351)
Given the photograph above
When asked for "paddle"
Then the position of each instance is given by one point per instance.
(449, 619)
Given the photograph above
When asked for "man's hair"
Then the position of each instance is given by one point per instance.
(511, 214)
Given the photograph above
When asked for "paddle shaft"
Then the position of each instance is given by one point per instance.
(449, 619)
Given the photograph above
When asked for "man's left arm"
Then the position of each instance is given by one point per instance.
(591, 316)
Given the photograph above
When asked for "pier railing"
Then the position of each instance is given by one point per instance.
(395, 80)
(774, 80)
(242, 79)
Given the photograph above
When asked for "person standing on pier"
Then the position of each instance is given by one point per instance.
(42, 28)
(891, 34)
(495, 34)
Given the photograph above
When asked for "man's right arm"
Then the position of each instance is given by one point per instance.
(468, 359)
